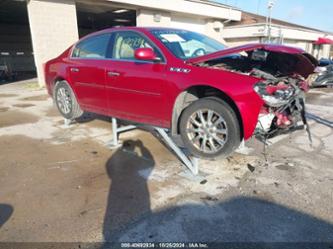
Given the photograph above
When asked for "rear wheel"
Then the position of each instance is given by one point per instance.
(66, 102)
(209, 128)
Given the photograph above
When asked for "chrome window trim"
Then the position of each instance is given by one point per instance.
(121, 60)
(163, 61)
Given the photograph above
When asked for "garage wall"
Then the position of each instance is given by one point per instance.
(241, 41)
(210, 27)
(321, 51)
(294, 43)
(156, 18)
(188, 23)
(53, 26)
(151, 18)
(326, 49)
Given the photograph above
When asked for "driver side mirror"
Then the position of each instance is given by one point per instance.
(145, 54)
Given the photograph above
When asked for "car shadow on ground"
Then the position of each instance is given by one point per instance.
(128, 169)
(5, 212)
(88, 117)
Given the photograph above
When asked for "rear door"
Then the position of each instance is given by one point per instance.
(87, 72)
(135, 88)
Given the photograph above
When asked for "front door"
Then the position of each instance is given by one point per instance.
(135, 88)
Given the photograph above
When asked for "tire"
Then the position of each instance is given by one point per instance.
(222, 133)
(65, 101)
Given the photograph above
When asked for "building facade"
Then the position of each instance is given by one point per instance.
(45, 28)
(35, 31)
(253, 28)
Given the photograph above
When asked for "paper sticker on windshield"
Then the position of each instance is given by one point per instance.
(172, 37)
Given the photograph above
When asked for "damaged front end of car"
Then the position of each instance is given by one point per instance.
(284, 105)
(281, 72)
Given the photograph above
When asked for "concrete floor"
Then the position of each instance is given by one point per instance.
(63, 184)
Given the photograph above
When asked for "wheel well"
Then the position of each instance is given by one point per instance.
(191, 94)
(55, 82)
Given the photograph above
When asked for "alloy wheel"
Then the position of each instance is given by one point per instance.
(207, 130)
(64, 100)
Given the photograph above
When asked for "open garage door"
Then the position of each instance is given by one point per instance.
(94, 17)
(16, 55)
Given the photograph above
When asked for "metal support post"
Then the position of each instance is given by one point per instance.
(67, 122)
(114, 143)
(243, 149)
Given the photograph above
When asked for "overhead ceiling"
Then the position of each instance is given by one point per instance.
(13, 12)
(104, 16)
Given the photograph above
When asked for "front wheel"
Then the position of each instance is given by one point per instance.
(209, 128)
(66, 102)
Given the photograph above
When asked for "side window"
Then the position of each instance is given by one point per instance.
(125, 43)
(93, 47)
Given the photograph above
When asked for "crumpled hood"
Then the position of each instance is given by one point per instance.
(305, 63)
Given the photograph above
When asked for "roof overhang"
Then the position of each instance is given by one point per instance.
(192, 7)
(260, 30)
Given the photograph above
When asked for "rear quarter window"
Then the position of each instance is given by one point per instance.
(94, 47)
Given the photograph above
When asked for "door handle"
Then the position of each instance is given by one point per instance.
(113, 74)
(74, 69)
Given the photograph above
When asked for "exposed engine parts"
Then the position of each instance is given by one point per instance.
(286, 109)
(280, 87)
(284, 103)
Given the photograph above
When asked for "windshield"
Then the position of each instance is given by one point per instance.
(186, 44)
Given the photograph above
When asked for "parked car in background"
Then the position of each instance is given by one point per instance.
(323, 62)
(323, 77)
(212, 96)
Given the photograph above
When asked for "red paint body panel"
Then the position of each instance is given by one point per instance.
(88, 79)
(137, 93)
(146, 92)
(238, 87)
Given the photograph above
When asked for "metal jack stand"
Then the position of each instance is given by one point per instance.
(115, 143)
(243, 149)
(67, 122)
(192, 163)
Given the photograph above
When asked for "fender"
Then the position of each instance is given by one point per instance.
(235, 87)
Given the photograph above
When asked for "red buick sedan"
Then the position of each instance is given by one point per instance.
(210, 95)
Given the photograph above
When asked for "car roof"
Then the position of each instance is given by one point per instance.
(128, 28)
(134, 28)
